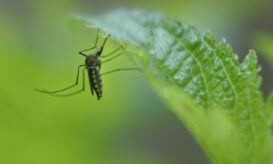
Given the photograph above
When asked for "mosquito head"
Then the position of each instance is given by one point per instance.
(98, 53)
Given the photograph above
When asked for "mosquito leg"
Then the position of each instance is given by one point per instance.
(101, 49)
(95, 46)
(113, 52)
(75, 84)
(112, 58)
(121, 69)
(79, 91)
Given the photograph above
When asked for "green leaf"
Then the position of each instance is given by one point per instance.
(203, 82)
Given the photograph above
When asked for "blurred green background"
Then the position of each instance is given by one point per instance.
(39, 46)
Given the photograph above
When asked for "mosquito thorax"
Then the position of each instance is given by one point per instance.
(92, 60)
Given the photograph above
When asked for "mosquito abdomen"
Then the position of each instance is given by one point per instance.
(95, 82)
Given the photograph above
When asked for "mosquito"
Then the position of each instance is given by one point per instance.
(93, 66)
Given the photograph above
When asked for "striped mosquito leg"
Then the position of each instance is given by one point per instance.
(121, 69)
(74, 93)
(71, 86)
(95, 46)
